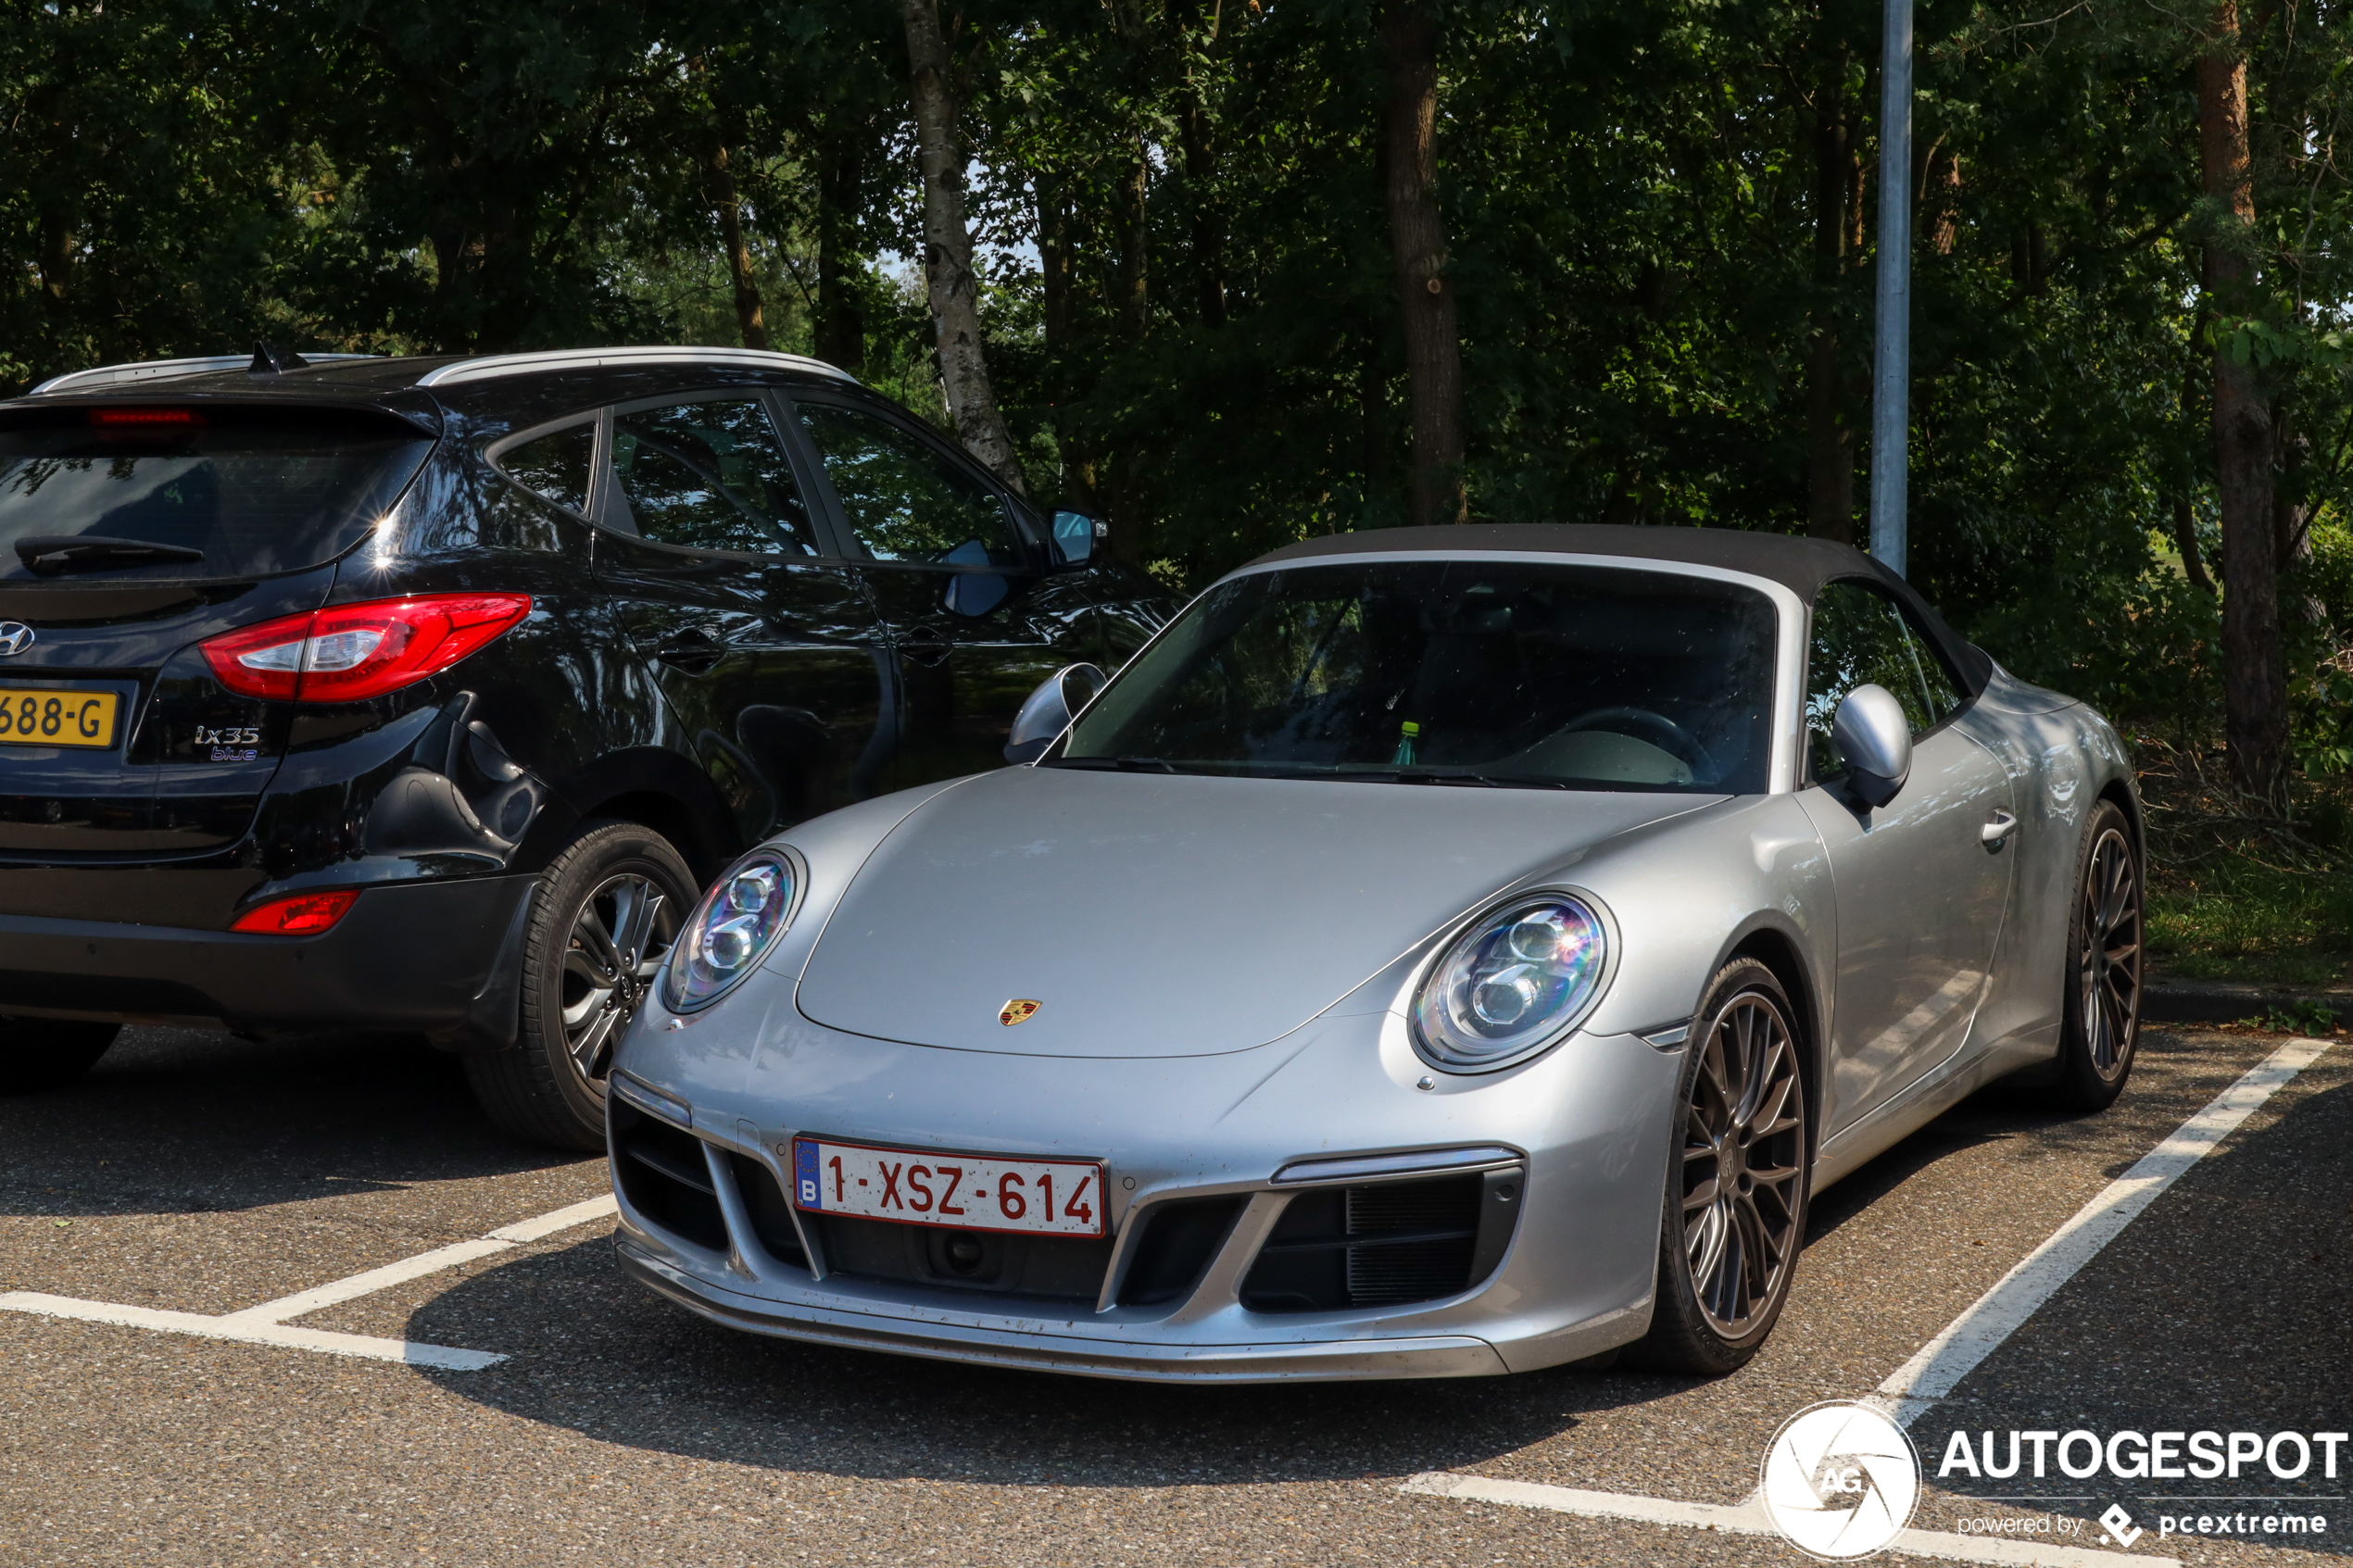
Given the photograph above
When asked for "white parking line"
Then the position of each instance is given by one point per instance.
(266, 1324)
(1958, 1349)
(1940, 1364)
(1748, 1518)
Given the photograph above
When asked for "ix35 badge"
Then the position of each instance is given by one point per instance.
(233, 743)
(14, 637)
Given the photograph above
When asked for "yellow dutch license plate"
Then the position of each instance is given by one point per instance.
(56, 718)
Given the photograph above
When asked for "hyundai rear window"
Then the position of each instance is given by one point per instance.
(119, 493)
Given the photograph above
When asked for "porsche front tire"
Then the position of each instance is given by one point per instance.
(1740, 1171)
(49, 1053)
(602, 921)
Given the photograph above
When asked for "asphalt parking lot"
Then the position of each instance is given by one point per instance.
(195, 1173)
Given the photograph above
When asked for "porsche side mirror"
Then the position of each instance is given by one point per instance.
(1075, 536)
(1050, 709)
(1873, 735)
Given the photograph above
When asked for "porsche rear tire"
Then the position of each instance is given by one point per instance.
(37, 1053)
(602, 921)
(1740, 1171)
(2101, 1012)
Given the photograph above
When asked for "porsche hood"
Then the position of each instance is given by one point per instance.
(1155, 915)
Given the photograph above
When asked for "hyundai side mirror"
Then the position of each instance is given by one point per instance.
(972, 593)
(1075, 536)
(1050, 710)
(1876, 740)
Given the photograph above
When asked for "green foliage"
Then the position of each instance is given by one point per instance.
(1187, 268)
(2307, 1017)
(2240, 917)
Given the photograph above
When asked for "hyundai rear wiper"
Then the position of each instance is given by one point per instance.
(51, 554)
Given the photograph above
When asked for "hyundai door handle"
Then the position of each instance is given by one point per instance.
(1997, 830)
(927, 645)
(692, 649)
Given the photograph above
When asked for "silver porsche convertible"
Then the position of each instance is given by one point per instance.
(1438, 952)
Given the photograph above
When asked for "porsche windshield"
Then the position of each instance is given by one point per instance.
(1476, 671)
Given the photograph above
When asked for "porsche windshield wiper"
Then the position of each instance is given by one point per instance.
(75, 552)
(1421, 776)
(1489, 781)
(1115, 764)
(1506, 781)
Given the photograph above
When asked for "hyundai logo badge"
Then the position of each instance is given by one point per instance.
(14, 637)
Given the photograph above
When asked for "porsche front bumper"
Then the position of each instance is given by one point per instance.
(1576, 1141)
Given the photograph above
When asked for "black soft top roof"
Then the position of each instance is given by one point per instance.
(1800, 564)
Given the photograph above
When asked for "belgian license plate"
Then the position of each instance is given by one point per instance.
(56, 718)
(976, 1192)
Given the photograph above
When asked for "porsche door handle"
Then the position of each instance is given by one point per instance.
(1997, 830)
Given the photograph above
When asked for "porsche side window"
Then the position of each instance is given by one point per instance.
(555, 465)
(904, 501)
(710, 476)
(1862, 638)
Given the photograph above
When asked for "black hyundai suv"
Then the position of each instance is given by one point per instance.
(423, 694)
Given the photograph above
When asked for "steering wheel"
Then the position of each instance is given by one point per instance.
(1644, 724)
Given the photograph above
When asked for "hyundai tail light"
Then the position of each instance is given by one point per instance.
(305, 914)
(346, 653)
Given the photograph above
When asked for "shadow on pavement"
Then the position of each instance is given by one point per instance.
(598, 1354)
(178, 1121)
(2227, 1314)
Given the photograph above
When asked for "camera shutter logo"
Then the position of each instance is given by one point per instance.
(1839, 1480)
(14, 637)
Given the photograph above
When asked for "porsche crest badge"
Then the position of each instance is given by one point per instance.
(1018, 1010)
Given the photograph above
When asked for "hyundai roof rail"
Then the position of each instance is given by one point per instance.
(156, 369)
(587, 358)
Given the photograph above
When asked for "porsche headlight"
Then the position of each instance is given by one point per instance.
(733, 928)
(1510, 985)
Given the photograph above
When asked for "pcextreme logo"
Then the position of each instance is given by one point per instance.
(1839, 1480)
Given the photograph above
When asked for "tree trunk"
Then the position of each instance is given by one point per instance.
(840, 335)
(1135, 242)
(947, 252)
(1829, 440)
(2253, 676)
(56, 259)
(1372, 409)
(1209, 227)
(2184, 507)
(720, 180)
(1936, 197)
(1055, 267)
(1425, 297)
(2291, 514)
(2185, 541)
(1200, 171)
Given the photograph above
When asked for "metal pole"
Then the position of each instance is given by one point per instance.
(1892, 367)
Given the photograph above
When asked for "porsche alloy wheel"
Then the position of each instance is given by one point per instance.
(1737, 1183)
(2103, 1005)
(601, 925)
